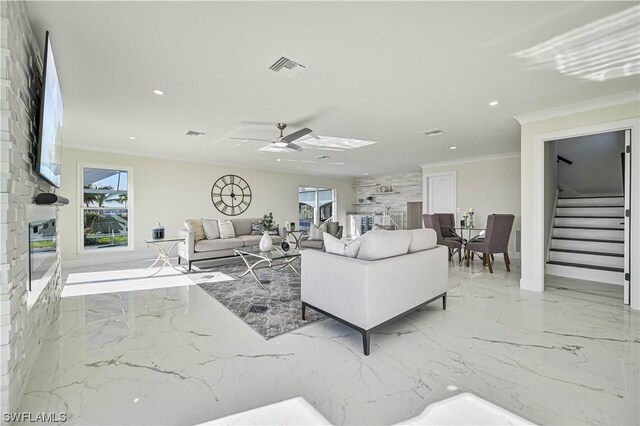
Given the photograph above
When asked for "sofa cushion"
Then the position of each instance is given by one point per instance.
(243, 225)
(380, 245)
(312, 244)
(195, 226)
(315, 232)
(211, 230)
(254, 240)
(218, 244)
(422, 239)
(227, 230)
(335, 246)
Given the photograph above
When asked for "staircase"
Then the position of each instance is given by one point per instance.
(588, 239)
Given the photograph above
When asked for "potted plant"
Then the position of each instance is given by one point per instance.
(266, 224)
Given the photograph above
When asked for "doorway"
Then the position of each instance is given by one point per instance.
(440, 193)
(629, 211)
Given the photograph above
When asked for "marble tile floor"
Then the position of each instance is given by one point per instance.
(161, 351)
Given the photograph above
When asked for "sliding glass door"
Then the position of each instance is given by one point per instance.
(315, 205)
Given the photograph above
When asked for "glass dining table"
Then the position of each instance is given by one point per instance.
(471, 233)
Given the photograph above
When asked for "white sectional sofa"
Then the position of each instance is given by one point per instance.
(395, 272)
(215, 248)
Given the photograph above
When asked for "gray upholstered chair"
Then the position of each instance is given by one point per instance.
(448, 226)
(333, 228)
(496, 240)
(433, 221)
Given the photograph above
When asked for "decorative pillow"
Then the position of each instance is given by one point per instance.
(226, 229)
(256, 230)
(211, 230)
(195, 226)
(380, 245)
(332, 228)
(422, 239)
(315, 232)
(335, 246)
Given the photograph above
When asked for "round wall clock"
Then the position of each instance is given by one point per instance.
(231, 195)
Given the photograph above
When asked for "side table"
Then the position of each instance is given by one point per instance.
(163, 246)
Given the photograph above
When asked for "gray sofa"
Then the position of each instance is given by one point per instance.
(193, 251)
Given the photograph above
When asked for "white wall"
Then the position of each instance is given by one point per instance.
(533, 132)
(488, 185)
(171, 191)
(599, 152)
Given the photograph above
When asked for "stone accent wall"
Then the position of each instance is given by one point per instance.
(21, 329)
(406, 187)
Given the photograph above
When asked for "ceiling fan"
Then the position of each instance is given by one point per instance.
(284, 141)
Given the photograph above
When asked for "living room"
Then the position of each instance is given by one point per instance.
(167, 294)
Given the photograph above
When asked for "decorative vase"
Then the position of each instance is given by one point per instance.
(265, 242)
(157, 232)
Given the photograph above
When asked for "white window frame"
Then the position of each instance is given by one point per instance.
(80, 250)
(316, 212)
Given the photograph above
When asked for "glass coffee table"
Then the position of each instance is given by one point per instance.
(275, 258)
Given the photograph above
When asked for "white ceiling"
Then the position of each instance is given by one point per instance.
(380, 71)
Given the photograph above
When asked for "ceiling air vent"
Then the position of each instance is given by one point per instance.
(287, 67)
(194, 133)
(432, 132)
(323, 157)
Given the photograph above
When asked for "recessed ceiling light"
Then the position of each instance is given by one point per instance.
(366, 174)
(277, 159)
(158, 92)
(493, 103)
(133, 138)
(453, 147)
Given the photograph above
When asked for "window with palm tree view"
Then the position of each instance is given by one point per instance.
(105, 208)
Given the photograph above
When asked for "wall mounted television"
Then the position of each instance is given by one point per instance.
(49, 160)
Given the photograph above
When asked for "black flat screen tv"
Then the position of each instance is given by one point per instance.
(49, 160)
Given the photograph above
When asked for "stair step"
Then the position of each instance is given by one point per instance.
(595, 253)
(590, 211)
(591, 201)
(590, 227)
(594, 222)
(588, 217)
(589, 239)
(590, 233)
(588, 245)
(583, 272)
(591, 259)
(580, 265)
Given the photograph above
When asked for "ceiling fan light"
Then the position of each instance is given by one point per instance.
(280, 144)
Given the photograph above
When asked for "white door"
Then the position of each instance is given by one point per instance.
(627, 216)
(440, 193)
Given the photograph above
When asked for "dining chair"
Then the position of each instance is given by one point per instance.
(496, 240)
(433, 221)
(448, 227)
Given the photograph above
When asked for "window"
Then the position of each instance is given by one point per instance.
(315, 205)
(105, 216)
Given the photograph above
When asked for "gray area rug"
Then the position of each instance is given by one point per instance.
(270, 313)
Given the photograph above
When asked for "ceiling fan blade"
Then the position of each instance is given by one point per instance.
(296, 135)
(252, 139)
(294, 147)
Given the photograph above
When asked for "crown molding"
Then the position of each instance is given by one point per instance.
(471, 160)
(590, 105)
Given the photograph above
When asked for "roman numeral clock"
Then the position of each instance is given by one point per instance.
(231, 195)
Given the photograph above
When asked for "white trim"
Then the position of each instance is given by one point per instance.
(471, 160)
(425, 190)
(80, 251)
(536, 281)
(590, 105)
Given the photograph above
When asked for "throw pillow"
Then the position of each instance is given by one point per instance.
(332, 228)
(226, 229)
(315, 232)
(195, 226)
(211, 230)
(335, 246)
